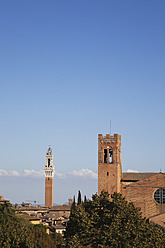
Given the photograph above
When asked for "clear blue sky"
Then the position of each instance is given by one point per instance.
(66, 69)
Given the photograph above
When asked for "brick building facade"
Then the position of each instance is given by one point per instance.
(145, 190)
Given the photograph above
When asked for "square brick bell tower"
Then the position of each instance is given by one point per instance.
(109, 163)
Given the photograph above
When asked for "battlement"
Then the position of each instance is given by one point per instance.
(109, 136)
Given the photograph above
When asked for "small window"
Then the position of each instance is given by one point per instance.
(159, 196)
(48, 162)
(107, 173)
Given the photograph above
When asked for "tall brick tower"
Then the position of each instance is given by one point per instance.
(49, 174)
(109, 163)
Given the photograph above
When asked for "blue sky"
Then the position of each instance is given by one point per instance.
(66, 69)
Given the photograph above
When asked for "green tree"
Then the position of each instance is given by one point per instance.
(79, 198)
(16, 232)
(74, 203)
(116, 223)
(78, 226)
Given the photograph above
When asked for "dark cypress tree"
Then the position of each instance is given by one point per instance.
(85, 199)
(79, 198)
(73, 204)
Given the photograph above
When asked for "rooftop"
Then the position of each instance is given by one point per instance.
(136, 176)
(62, 208)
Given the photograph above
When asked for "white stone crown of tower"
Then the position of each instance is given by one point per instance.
(49, 168)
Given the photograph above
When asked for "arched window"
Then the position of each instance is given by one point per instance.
(48, 162)
(159, 196)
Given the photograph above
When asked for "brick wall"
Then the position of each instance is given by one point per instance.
(142, 195)
(48, 191)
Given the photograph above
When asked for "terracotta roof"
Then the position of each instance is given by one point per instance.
(132, 176)
(33, 208)
(50, 215)
(4, 201)
(62, 208)
(155, 181)
(29, 217)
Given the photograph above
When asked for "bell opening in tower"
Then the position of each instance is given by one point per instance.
(105, 156)
(110, 156)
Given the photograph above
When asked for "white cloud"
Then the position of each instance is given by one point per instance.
(9, 173)
(84, 172)
(25, 173)
(60, 175)
(131, 170)
(14, 173)
(34, 173)
(4, 172)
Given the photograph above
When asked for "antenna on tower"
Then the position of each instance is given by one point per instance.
(110, 127)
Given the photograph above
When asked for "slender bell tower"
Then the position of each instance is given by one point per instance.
(109, 163)
(49, 174)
